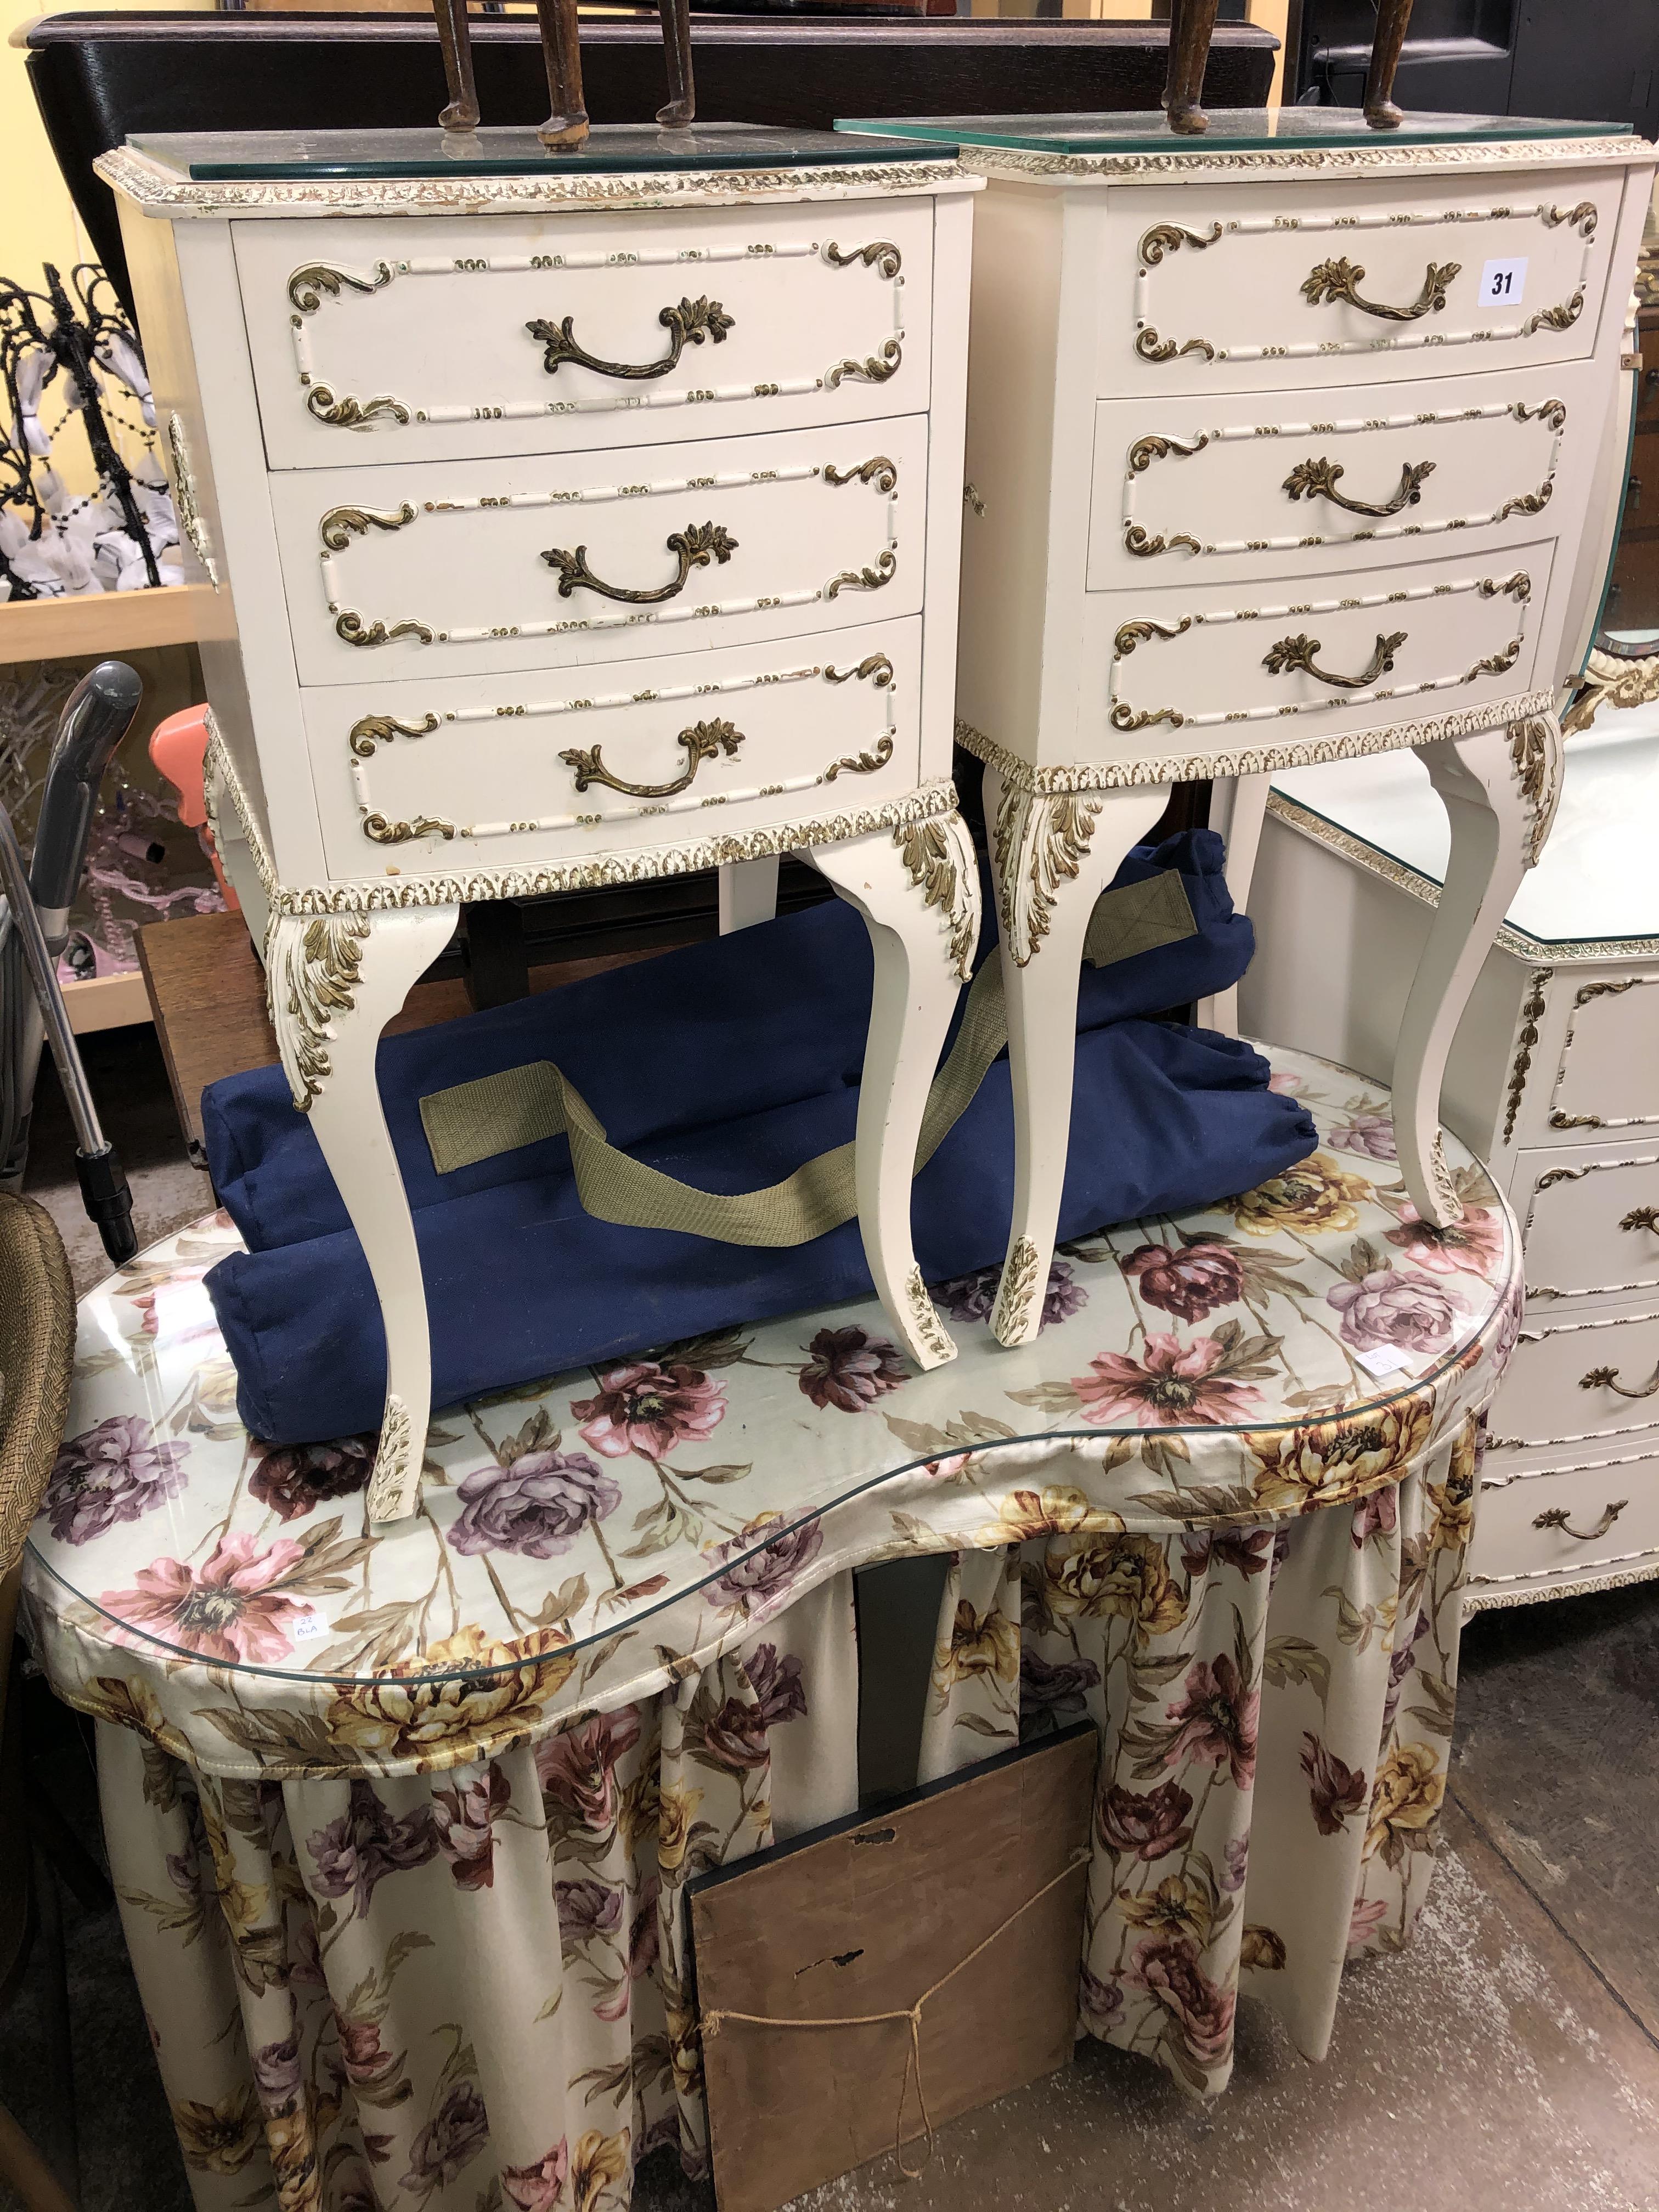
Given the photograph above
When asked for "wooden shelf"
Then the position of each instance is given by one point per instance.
(107, 1002)
(103, 621)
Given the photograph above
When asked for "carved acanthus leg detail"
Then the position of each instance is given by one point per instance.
(939, 858)
(903, 884)
(1038, 843)
(334, 980)
(1054, 855)
(1498, 789)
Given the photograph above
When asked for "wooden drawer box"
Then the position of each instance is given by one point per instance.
(1574, 1380)
(1591, 1220)
(437, 338)
(1260, 485)
(429, 776)
(1355, 651)
(1607, 1075)
(479, 567)
(1577, 1524)
(1243, 287)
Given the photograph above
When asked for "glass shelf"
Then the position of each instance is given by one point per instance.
(1231, 130)
(247, 156)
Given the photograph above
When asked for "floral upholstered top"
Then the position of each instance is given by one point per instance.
(585, 1539)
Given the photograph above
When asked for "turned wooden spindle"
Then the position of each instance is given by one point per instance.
(1392, 17)
(567, 125)
(1191, 26)
(455, 37)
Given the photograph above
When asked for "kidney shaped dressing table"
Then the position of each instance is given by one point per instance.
(1290, 444)
(588, 519)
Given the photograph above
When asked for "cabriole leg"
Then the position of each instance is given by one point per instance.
(1052, 855)
(1498, 788)
(334, 982)
(917, 888)
(1237, 806)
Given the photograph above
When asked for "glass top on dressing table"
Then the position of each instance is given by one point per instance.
(1232, 129)
(247, 156)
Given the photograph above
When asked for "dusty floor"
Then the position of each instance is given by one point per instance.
(1509, 2062)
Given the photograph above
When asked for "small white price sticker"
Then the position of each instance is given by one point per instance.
(310, 1624)
(1504, 283)
(1381, 1360)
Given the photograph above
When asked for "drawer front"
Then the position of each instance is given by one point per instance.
(1608, 1077)
(1571, 1381)
(1247, 486)
(1191, 667)
(1591, 1220)
(423, 776)
(478, 567)
(1240, 287)
(442, 338)
(1578, 1523)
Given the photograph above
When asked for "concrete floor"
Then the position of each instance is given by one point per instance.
(1508, 2062)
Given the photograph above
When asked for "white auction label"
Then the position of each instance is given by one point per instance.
(309, 1625)
(1504, 283)
(1381, 1360)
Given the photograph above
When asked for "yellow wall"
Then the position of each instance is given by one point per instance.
(37, 222)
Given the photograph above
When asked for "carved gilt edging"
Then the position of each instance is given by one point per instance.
(185, 507)
(1015, 1292)
(378, 896)
(153, 186)
(312, 971)
(1610, 682)
(1014, 162)
(391, 1457)
(924, 1315)
(938, 858)
(1531, 1013)
(1038, 842)
(1535, 765)
(1246, 760)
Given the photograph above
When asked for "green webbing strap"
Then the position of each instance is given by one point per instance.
(474, 1121)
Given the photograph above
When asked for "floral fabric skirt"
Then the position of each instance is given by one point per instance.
(466, 1991)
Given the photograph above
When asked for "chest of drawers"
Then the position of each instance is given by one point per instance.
(1279, 450)
(1553, 1079)
(569, 528)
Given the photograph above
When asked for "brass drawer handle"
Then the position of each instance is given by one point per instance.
(694, 547)
(689, 324)
(1293, 652)
(1607, 1378)
(702, 741)
(1558, 1517)
(1339, 280)
(1642, 1216)
(1317, 479)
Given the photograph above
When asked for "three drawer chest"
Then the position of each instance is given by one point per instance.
(1292, 444)
(575, 520)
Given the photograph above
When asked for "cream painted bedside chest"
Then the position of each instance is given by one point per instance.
(1553, 1079)
(588, 517)
(1291, 444)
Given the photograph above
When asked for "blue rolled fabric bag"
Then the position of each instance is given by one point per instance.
(725, 1065)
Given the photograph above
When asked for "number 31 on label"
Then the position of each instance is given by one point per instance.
(1503, 284)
